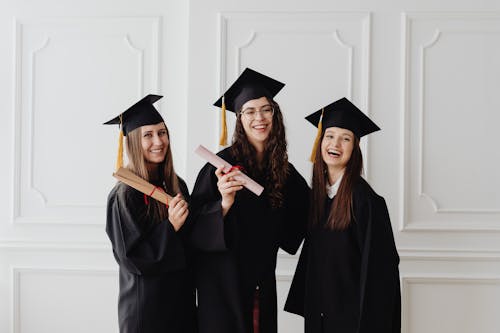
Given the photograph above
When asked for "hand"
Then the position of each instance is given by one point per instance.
(228, 186)
(177, 211)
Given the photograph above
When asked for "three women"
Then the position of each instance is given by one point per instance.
(347, 279)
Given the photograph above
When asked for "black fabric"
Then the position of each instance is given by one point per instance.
(156, 280)
(348, 281)
(237, 254)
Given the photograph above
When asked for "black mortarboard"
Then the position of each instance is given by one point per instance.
(140, 114)
(249, 85)
(341, 113)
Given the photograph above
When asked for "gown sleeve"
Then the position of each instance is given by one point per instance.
(293, 227)
(295, 300)
(208, 229)
(380, 303)
(140, 245)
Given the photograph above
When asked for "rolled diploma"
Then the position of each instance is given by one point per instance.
(217, 162)
(141, 185)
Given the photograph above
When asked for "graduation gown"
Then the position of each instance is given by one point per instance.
(156, 284)
(237, 254)
(348, 281)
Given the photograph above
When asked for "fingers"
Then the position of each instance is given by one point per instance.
(178, 210)
(227, 183)
(221, 176)
(179, 215)
(230, 188)
(178, 206)
(178, 198)
(218, 172)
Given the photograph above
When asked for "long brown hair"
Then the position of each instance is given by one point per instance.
(274, 166)
(341, 210)
(166, 173)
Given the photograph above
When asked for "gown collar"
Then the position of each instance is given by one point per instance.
(332, 190)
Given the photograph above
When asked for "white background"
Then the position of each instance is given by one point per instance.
(427, 72)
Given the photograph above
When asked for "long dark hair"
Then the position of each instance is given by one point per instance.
(341, 210)
(166, 173)
(274, 166)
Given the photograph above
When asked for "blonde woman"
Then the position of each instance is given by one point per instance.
(149, 238)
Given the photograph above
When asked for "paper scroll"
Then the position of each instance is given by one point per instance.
(217, 162)
(128, 177)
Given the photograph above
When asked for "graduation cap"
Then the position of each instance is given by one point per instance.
(341, 113)
(140, 114)
(249, 85)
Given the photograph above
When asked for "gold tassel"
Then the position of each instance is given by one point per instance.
(223, 135)
(119, 158)
(318, 137)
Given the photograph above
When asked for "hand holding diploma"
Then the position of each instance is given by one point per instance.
(228, 185)
(227, 169)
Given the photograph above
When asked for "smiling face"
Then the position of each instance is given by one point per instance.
(336, 149)
(154, 142)
(257, 120)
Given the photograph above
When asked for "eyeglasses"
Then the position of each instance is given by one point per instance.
(266, 111)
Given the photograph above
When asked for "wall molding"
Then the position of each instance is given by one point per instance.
(24, 189)
(405, 225)
(407, 280)
(16, 273)
(414, 254)
(23, 245)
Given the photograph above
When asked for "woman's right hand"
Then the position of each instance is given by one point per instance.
(228, 186)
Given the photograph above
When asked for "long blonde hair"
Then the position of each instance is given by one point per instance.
(137, 164)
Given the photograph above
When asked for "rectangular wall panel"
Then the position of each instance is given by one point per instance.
(450, 76)
(64, 300)
(454, 304)
(73, 75)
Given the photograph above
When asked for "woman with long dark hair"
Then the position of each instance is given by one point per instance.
(347, 278)
(149, 238)
(237, 232)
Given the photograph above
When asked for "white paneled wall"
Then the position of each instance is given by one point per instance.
(71, 74)
(451, 116)
(67, 294)
(427, 72)
(467, 295)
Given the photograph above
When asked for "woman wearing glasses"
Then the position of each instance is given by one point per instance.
(237, 232)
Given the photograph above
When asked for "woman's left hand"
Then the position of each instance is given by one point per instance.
(178, 211)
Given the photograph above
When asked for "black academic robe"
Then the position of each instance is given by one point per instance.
(156, 282)
(237, 257)
(348, 281)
